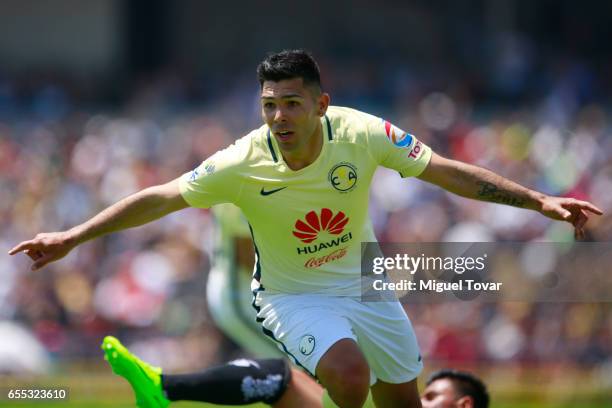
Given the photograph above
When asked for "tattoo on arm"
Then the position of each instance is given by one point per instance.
(490, 192)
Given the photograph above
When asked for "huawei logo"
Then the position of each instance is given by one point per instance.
(326, 221)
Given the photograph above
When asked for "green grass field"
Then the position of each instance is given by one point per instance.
(93, 386)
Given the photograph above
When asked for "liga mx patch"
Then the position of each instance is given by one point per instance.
(397, 136)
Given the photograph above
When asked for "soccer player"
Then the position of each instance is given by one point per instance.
(302, 181)
(454, 389)
(227, 294)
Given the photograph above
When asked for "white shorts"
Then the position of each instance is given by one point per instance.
(305, 326)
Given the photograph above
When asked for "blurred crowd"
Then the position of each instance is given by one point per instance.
(60, 163)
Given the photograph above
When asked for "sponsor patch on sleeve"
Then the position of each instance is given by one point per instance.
(415, 152)
(397, 136)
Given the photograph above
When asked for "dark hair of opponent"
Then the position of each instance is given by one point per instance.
(466, 384)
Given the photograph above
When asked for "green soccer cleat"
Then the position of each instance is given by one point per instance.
(144, 378)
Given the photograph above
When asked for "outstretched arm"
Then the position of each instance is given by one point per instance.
(481, 184)
(137, 209)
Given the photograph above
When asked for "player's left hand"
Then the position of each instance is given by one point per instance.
(571, 210)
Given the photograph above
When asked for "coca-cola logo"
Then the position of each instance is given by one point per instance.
(318, 261)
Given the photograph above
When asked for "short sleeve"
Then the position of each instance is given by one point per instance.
(215, 181)
(395, 149)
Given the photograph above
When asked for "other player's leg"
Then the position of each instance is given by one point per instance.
(144, 378)
(239, 382)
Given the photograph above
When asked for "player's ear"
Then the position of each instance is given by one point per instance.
(465, 402)
(323, 102)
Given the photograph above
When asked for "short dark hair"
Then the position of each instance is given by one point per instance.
(289, 64)
(466, 384)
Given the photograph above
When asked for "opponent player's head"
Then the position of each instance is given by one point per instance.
(291, 98)
(457, 389)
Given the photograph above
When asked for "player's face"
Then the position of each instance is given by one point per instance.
(293, 112)
(441, 394)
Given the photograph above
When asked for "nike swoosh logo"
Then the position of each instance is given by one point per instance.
(276, 190)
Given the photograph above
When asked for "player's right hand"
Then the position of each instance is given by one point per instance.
(45, 248)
